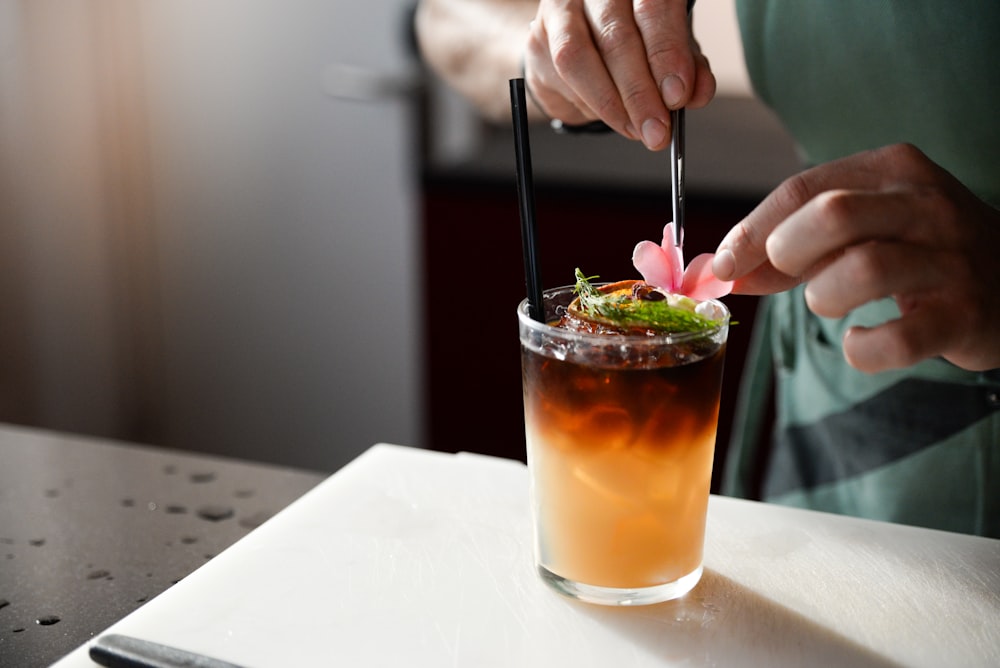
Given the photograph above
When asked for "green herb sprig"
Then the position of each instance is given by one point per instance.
(624, 311)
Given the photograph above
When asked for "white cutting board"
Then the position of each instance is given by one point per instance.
(417, 558)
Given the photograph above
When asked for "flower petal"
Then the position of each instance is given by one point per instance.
(674, 252)
(699, 281)
(655, 265)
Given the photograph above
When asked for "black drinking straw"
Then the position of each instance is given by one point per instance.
(526, 198)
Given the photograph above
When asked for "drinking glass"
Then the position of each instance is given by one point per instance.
(620, 433)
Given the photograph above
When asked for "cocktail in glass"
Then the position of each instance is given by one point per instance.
(620, 432)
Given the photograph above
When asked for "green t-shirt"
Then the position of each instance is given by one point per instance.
(922, 445)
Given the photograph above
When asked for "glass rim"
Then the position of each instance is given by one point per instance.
(633, 339)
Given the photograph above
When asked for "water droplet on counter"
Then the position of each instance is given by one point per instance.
(176, 510)
(215, 513)
(255, 520)
(47, 620)
(37, 542)
(98, 574)
(128, 503)
(202, 477)
(152, 505)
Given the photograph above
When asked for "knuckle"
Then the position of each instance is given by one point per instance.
(833, 210)
(903, 153)
(634, 97)
(793, 193)
(670, 51)
(566, 53)
(670, 57)
(650, 9)
(613, 37)
(905, 162)
(609, 107)
(833, 205)
(633, 103)
(748, 236)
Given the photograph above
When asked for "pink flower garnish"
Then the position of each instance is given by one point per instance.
(663, 267)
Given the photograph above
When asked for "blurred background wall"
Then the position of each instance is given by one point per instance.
(209, 239)
(253, 227)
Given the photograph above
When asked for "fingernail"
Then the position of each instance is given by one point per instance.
(672, 90)
(654, 133)
(724, 265)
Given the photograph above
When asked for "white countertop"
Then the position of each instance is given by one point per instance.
(417, 558)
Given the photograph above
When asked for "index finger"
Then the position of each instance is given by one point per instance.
(581, 66)
(743, 249)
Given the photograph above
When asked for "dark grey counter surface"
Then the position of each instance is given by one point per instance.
(92, 529)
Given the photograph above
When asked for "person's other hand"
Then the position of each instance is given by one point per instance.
(623, 62)
(882, 223)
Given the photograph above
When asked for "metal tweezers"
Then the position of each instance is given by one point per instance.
(676, 157)
(677, 165)
(677, 173)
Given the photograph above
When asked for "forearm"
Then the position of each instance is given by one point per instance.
(476, 46)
